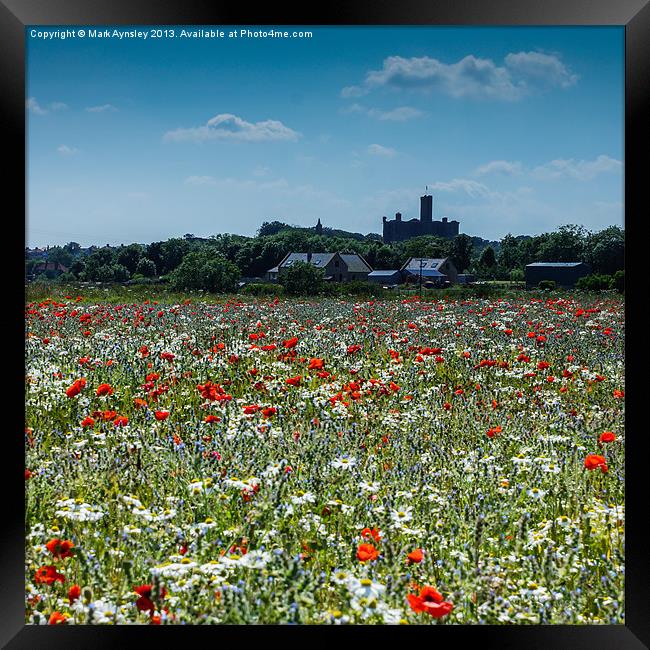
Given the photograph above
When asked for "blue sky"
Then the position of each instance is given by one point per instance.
(514, 130)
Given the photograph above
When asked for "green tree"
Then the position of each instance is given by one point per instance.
(488, 258)
(510, 254)
(605, 250)
(461, 252)
(302, 279)
(60, 255)
(204, 270)
(567, 244)
(172, 253)
(129, 256)
(146, 267)
(271, 228)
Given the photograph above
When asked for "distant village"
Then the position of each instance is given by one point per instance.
(344, 266)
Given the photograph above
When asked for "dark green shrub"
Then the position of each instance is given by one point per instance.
(595, 282)
(619, 281)
(547, 284)
(205, 270)
(303, 279)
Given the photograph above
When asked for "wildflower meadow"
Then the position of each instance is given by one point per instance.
(325, 461)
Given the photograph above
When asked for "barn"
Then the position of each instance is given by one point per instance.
(564, 274)
(386, 277)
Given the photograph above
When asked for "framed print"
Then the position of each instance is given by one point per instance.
(328, 322)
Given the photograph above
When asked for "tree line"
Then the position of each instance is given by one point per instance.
(218, 262)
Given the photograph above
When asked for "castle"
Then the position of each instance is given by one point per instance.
(398, 230)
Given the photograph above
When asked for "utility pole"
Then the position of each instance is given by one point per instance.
(421, 260)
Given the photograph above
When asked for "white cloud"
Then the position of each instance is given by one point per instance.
(379, 150)
(582, 170)
(353, 91)
(464, 185)
(522, 74)
(546, 69)
(226, 126)
(104, 108)
(58, 106)
(64, 150)
(499, 167)
(200, 180)
(34, 107)
(399, 114)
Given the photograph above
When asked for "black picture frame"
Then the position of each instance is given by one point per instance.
(633, 14)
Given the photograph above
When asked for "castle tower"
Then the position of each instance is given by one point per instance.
(426, 208)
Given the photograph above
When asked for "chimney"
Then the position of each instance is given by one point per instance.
(309, 257)
(398, 216)
(426, 208)
(444, 220)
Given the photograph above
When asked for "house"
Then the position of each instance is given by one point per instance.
(338, 267)
(386, 277)
(435, 270)
(52, 269)
(564, 274)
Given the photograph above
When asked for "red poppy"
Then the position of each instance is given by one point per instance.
(607, 436)
(161, 415)
(60, 548)
(269, 411)
(104, 389)
(73, 593)
(76, 387)
(431, 602)
(316, 364)
(371, 532)
(48, 575)
(57, 619)
(593, 461)
(121, 421)
(290, 343)
(144, 603)
(87, 422)
(210, 419)
(294, 381)
(415, 556)
(367, 552)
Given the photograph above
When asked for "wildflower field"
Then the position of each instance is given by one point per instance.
(325, 461)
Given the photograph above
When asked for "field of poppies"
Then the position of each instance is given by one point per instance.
(325, 461)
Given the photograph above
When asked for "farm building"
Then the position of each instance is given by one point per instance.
(338, 267)
(50, 269)
(432, 270)
(564, 274)
(386, 277)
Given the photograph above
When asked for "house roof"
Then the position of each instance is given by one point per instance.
(321, 260)
(383, 273)
(428, 273)
(51, 266)
(556, 264)
(428, 263)
(273, 270)
(356, 263)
